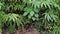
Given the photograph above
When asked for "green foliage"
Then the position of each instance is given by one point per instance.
(14, 18)
(1, 15)
(49, 16)
(31, 13)
(21, 12)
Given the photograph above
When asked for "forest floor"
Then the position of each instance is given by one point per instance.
(29, 31)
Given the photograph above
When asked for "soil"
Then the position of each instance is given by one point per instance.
(30, 31)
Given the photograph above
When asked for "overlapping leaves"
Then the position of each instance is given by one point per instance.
(31, 13)
(14, 18)
(50, 17)
(31, 9)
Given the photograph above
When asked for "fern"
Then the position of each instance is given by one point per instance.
(49, 16)
(21, 12)
(13, 18)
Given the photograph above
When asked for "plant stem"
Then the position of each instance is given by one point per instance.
(0, 31)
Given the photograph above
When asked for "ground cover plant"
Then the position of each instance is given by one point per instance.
(44, 15)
